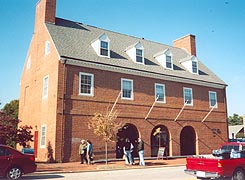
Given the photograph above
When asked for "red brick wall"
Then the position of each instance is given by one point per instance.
(78, 109)
(188, 43)
(33, 109)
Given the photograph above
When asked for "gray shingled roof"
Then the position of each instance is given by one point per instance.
(74, 39)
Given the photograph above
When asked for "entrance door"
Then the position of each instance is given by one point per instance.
(127, 131)
(159, 138)
(35, 143)
(188, 141)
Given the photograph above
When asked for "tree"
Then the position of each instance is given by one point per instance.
(235, 120)
(105, 126)
(8, 129)
(10, 134)
(12, 108)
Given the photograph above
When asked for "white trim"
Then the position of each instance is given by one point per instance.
(28, 64)
(47, 48)
(143, 73)
(43, 138)
(191, 104)
(50, 37)
(132, 90)
(92, 84)
(45, 87)
(216, 104)
(164, 93)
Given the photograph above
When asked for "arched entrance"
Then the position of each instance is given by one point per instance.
(188, 141)
(159, 138)
(129, 131)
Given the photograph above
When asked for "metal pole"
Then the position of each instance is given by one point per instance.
(181, 111)
(151, 107)
(208, 113)
(115, 103)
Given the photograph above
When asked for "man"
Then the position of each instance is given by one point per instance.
(140, 149)
(127, 151)
(83, 151)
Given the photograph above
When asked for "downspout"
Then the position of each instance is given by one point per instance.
(226, 115)
(63, 109)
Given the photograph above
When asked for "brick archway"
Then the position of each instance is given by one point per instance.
(129, 131)
(188, 141)
(160, 139)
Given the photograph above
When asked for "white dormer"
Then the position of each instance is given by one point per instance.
(191, 64)
(136, 53)
(165, 58)
(101, 45)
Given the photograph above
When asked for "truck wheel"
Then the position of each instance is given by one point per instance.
(238, 175)
(14, 173)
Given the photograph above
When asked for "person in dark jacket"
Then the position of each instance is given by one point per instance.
(89, 152)
(140, 149)
(127, 149)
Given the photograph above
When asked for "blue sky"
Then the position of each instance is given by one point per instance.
(217, 24)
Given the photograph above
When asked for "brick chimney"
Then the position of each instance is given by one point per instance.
(188, 43)
(45, 12)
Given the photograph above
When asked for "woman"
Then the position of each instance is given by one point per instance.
(83, 151)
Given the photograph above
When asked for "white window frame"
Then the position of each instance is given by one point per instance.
(186, 102)
(43, 136)
(132, 90)
(139, 55)
(210, 100)
(91, 85)
(102, 48)
(171, 62)
(164, 93)
(192, 67)
(45, 86)
(47, 48)
(28, 64)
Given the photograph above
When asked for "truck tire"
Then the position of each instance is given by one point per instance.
(238, 174)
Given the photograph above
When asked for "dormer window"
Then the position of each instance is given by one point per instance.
(194, 67)
(191, 64)
(101, 45)
(139, 55)
(165, 59)
(104, 48)
(169, 62)
(136, 53)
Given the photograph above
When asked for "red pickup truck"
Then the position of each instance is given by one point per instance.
(227, 162)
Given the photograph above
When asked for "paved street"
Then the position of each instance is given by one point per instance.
(167, 173)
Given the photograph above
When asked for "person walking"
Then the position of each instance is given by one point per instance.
(89, 152)
(140, 149)
(83, 151)
(127, 151)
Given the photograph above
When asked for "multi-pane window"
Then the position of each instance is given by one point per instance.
(139, 55)
(47, 48)
(188, 97)
(104, 48)
(127, 88)
(86, 84)
(194, 67)
(212, 99)
(43, 136)
(169, 62)
(160, 92)
(45, 87)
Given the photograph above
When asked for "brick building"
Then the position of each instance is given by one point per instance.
(73, 70)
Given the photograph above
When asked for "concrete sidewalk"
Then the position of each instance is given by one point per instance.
(101, 165)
